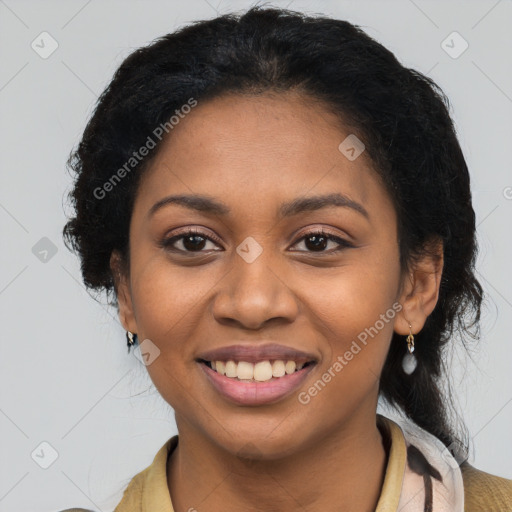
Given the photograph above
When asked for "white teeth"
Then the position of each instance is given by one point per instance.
(245, 370)
(278, 369)
(220, 367)
(290, 367)
(231, 369)
(262, 371)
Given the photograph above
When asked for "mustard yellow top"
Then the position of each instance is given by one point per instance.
(148, 490)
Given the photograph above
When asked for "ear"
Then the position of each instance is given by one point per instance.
(123, 291)
(420, 289)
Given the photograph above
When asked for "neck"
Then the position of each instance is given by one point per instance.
(344, 471)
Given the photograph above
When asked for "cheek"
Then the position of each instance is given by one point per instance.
(354, 310)
(167, 297)
(357, 293)
(356, 317)
(170, 304)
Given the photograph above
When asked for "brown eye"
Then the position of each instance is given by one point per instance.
(318, 241)
(189, 241)
(193, 242)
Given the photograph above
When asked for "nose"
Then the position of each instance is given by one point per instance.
(254, 293)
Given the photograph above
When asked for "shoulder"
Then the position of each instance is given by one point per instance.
(132, 495)
(484, 492)
(148, 489)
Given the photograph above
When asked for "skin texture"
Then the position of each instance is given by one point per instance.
(253, 153)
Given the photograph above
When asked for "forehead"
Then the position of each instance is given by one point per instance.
(265, 146)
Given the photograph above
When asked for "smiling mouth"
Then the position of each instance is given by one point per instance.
(260, 371)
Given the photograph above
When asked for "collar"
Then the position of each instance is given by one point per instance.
(408, 480)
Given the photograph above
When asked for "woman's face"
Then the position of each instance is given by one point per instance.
(255, 275)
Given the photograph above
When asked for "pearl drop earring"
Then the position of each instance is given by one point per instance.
(409, 362)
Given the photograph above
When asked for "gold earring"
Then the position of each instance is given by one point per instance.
(410, 340)
(409, 362)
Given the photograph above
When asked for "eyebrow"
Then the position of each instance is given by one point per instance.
(209, 205)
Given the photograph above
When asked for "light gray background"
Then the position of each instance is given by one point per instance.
(65, 375)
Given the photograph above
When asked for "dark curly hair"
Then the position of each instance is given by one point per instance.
(401, 115)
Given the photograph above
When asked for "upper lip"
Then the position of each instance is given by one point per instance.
(254, 353)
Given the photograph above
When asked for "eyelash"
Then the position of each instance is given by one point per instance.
(167, 243)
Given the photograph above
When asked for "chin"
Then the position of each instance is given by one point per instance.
(268, 439)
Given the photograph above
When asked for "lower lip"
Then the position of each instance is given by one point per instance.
(256, 393)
